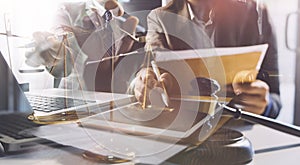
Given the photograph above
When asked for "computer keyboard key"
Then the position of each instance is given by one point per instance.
(49, 104)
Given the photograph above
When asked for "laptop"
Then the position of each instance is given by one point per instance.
(16, 106)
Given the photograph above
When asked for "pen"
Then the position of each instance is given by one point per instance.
(164, 95)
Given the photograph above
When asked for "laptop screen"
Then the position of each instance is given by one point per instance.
(12, 98)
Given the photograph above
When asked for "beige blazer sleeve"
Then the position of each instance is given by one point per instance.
(156, 36)
(173, 31)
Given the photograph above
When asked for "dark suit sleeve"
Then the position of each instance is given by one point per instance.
(237, 25)
(269, 69)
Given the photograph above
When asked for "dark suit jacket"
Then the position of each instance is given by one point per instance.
(91, 42)
(234, 23)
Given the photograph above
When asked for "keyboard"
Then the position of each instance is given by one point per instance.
(50, 104)
(13, 125)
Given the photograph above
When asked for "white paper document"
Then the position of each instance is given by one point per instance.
(225, 65)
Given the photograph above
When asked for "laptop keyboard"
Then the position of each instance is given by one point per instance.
(12, 125)
(49, 104)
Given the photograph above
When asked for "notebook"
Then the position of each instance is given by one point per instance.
(16, 106)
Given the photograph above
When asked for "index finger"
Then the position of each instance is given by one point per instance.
(256, 87)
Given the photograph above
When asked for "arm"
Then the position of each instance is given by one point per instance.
(155, 34)
(155, 40)
(270, 65)
(263, 95)
(57, 56)
(85, 43)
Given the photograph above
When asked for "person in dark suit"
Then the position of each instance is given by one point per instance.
(219, 23)
(89, 39)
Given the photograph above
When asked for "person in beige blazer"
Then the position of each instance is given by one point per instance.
(193, 24)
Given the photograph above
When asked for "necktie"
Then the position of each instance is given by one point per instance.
(107, 16)
(108, 33)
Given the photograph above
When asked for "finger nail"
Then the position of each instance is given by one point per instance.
(237, 92)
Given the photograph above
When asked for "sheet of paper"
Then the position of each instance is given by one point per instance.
(205, 53)
(137, 149)
(224, 65)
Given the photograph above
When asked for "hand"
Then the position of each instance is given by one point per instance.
(146, 83)
(252, 97)
(45, 50)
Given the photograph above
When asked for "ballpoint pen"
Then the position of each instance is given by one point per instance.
(164, 95)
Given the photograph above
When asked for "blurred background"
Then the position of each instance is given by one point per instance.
(24, 17)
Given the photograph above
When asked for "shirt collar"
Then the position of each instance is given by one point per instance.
(192, 16)
(190, 11)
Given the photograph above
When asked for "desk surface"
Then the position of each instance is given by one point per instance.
(271, 147)
(264, 138)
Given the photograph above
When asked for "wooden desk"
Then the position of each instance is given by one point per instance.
(271, 147)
